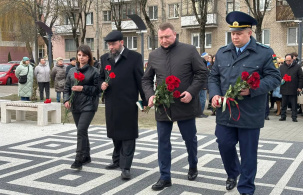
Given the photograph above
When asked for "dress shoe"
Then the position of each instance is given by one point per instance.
(125, 174)
(231, 183)
(267, 118)
(77, 165)
(192, 174)
(161, 184)
(85, 160)
(294, 120)
(282, 119)
(112, 166)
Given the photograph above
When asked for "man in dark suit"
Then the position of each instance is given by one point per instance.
(243, 54)
(121, 95)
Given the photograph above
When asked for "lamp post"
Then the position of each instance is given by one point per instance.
(300, 41)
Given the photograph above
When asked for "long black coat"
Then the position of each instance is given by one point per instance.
(122, 94)
(295, 71)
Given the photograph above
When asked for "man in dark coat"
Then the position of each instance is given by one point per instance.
(243, 54)
(183, 61)
(289, 89)
(121, 94)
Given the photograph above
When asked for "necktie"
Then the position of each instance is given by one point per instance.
(239, 52)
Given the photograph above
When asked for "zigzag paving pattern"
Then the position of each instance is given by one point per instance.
(42, 166)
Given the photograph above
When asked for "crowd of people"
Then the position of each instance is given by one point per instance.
(120, 78)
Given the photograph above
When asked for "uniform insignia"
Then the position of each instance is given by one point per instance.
(262, 45)
(274, 60)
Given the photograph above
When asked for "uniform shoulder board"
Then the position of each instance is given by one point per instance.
(223, 46)
(262, 45)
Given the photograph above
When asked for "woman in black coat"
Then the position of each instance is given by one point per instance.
(84, 102)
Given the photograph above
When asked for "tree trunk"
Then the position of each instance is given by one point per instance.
(259, 32)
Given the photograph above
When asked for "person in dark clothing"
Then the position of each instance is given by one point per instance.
(84, 103)
(97, 64)
(72, 64)
(121, 95)
(290, 89)
(183, 61)
(231, 60)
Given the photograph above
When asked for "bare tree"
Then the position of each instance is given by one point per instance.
(201, 17)
(258, 11)
(149, 24)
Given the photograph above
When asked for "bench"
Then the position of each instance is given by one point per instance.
(21, 107)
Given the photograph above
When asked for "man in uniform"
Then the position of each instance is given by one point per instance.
(243, 54)
(121, 95)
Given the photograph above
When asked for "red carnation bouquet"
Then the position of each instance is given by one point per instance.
(286, 78)
(78, 77)
(246, 81)
(165, 94)
(111, 75)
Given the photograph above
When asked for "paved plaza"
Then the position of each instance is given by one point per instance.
(36, 160)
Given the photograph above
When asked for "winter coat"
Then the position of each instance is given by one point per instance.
(86, 100)
(68, 68)
(26, 89)
(122, 94)
(183, 61)
(295, 72)
(42, 73)
(225, 71)
(58, 75)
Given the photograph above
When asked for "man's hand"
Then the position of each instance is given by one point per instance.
(186, 97)
(104, 86)
(151, 101)
(245, 92)
(67, 105)
(77, 88)
(299, 90)
(215, 100)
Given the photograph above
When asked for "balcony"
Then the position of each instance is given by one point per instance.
(64, 30)
(191, 21)
(125, 25)
(284, 13)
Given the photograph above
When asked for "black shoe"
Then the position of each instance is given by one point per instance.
(125, 174)
(267, 118)
(294, 120)
(77, 165)
(192, 174)
(86, 160)
(112, 166)
(231, 183)
(282, 119)
(161, 184)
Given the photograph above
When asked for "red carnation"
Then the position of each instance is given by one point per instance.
(169, 80)
(245, 76)
(79, 76)
(112, 75)
(287, 78)
(255, 75)
(170, 88)
(176, 94)
(108, 67)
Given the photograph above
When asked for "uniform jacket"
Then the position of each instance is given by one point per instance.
(295, 71)
(86, 100)
(183, 61)
(42, 73)
(58, 75)
(225, 71)
(25, 90)
(122, 94)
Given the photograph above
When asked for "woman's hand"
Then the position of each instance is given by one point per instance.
(67, 105)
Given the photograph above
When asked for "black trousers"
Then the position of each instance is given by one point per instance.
(43, 86)
(292, 100)
(83, 121)
(123, 153)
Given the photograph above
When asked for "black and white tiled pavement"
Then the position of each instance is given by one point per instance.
(42, 166)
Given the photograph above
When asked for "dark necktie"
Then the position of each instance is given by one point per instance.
(239, 52)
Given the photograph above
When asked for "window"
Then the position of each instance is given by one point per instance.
(66, 20)
(70, 45)
(195, 40)
(107, 16)
(89, 19)
(105, 44)
(232, 5)
(149, 42)
(90, 43)
(228, 38)
(292, 36)
(41, 51)
(153, 12)
(130, 42)
(129, 9)
(173, 10)
(265, 37)
(262, 4)
(207, 40)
